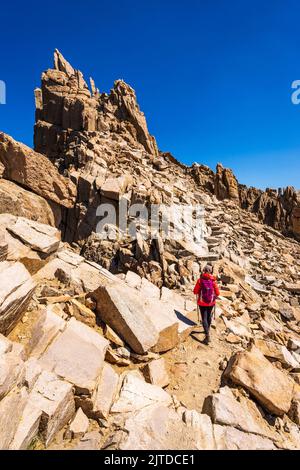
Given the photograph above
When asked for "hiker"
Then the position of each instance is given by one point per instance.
(207, 291)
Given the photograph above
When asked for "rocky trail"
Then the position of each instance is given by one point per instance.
(99, 342)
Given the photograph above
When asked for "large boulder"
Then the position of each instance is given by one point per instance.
(77, 355)
(18, 201)
(11, 409)
(158, 427)
(136, 394)
(16, 290)
(269, 385)
(225, 409)
(12, 370)
(35, 172)
(122, 309)
(229, 438)
(39, 237)
(49, 407)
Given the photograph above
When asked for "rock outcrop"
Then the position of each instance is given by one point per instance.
(35, 172)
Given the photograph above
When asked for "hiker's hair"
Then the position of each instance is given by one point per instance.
(208, 269)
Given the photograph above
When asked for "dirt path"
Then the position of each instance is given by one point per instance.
(194, 367)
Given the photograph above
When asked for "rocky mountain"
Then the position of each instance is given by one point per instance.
(99, 342)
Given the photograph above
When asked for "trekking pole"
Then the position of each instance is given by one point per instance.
(198, 311)
(214, 313)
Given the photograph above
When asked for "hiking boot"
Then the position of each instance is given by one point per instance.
(206, 340)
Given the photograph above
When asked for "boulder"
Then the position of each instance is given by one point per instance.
(243, 414)
(32, 371)
(133, 279)
(155, 373)
(54, 399)
(166, 323)
(272, 388)
(136, 394)
(157, 427)
(79, 425)
(28, 427)
(12, 369)
(38, 237)
(229, 438)
(274, 350)
(114, 188)
(149, 290)
(105, 393)
(35, 172)
(202, 427)
(16, 290)
(70, 353)
(121, 308)
(18, 201)
(44, 330)
(11, 409)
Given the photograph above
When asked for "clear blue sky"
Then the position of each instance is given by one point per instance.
(213, 77)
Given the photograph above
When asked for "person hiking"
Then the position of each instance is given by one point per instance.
(207, 291)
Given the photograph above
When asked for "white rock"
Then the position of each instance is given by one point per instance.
(54, 398)
(137, 394)
(123, 310)
(16, 290)
(77, 355)
(106, 392)
(228, 438)
(79, 425)
(39, 237)
(155, 373)
(11, 409)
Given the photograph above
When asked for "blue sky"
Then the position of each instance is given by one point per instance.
(213, 77)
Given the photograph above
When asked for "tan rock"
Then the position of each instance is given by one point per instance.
(136, 394)
(28, 427)
(121, 308)
(70, 353)
(243, 414)
(12, 369)
(166, 323)
(112, 336)
(79, 425)
(22, 203)
(54, 398)
(155, 373)
(35, 172)
(157, 427)
(274, 350)
(11, 409)
(106, 392)
(114, 188)
(39, 237)
(16, 290)
(270, 386)
(203, 429)
(81, 312)
(229, 438)
(44, 330)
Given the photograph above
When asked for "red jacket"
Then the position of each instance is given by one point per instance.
(197, 289)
